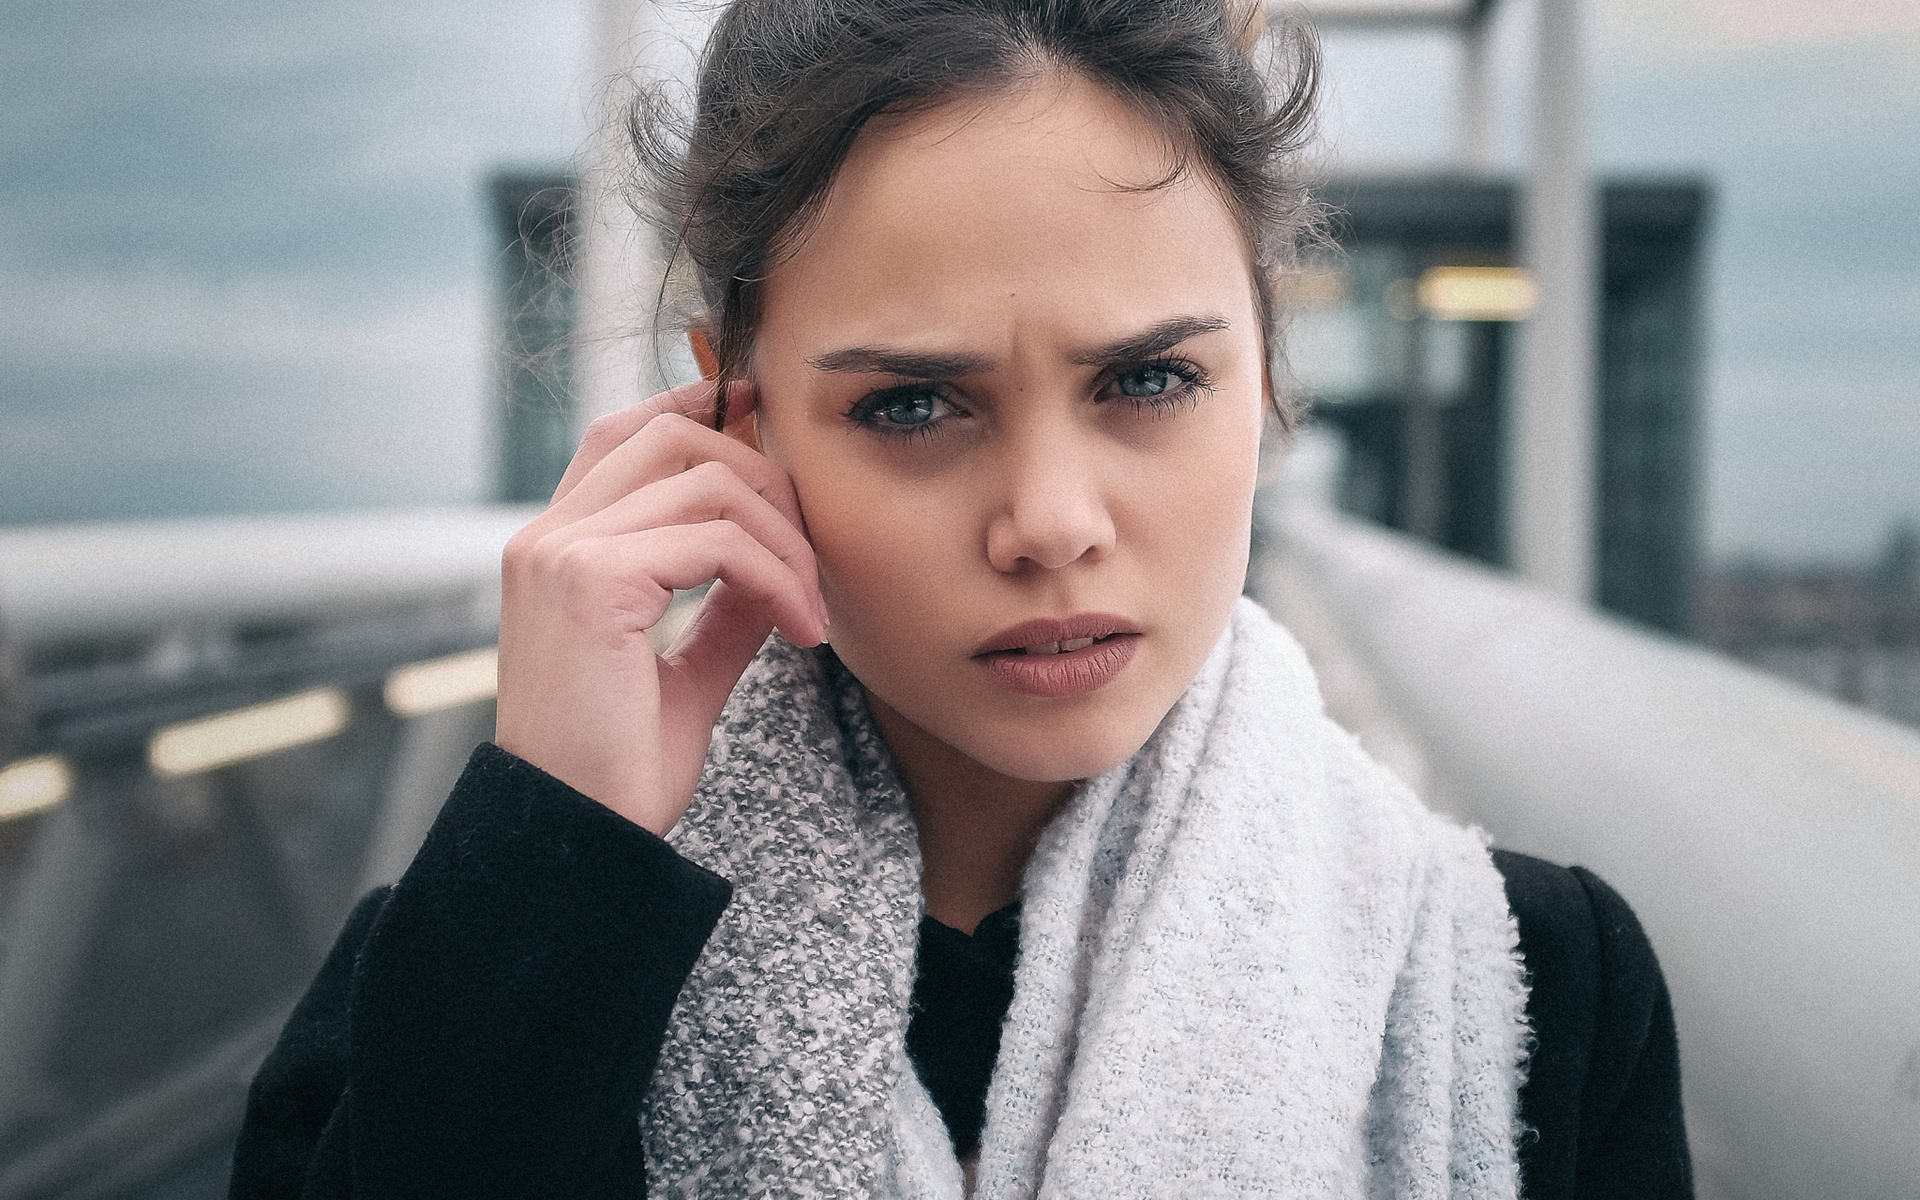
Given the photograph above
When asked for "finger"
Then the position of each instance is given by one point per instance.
(604, 434)
(694, 401)
(710, 491)
(680, 557)
(716, 646)
(667, 445)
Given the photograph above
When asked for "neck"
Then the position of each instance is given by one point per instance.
(977, 827)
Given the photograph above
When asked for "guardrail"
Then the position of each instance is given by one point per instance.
(63, 583)
(1769, 838)
(237, 726)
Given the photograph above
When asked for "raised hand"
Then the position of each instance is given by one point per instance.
(653, 501)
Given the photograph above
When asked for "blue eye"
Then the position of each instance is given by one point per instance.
(1160, 386)
(1144, 383)
(912, 409)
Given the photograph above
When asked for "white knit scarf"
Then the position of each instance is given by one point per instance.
(1251, 964)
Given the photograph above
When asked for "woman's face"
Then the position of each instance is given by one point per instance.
(1011, 390)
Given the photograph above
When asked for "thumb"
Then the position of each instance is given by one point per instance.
(708, 657)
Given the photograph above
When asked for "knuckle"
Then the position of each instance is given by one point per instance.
(738, 542)
(672, 424)
(517, 556)
(803, 557)
(710, 475)
(575, 565)
(666, 434)
(604, 432)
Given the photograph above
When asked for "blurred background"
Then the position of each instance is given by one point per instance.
(1606, 531)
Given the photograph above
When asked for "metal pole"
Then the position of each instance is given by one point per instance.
(615, 323)
(1423, 448)
(1550, 498)
(625, 354)
(56, 912)
(433, 747)
(1476, 100)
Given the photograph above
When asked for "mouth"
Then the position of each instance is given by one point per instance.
(1066, 647)
(1060, 658)
(1049, 635)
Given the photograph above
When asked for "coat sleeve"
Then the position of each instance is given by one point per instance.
(1602, 1099)
(1633, 1136)
(488, 1025)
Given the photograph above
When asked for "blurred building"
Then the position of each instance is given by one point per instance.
(1403, 341)
(536, 421)
(1851, 633)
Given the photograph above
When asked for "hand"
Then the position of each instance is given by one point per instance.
(654, 500)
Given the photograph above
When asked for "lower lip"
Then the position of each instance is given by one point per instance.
(1074, 673)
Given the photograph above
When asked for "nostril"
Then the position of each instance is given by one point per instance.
(1050, 518)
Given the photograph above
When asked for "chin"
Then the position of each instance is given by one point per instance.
(1053, 742)
(1041, 754)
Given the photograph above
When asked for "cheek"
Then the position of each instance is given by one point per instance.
(1192, 505)
(887, 554)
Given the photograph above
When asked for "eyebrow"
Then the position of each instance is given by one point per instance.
(1151, 342)
(878, 360)
(1155, 340)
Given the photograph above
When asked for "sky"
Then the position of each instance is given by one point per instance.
(246, 262)
(245, 254)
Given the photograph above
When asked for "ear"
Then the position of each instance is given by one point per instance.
(743, 414)
(703, 355)
(745, 429)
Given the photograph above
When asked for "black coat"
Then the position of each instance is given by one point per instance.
(488, 1025)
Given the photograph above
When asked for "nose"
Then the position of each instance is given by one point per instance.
(1050, 510)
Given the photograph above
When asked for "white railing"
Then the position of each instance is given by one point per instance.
(186, 606)
(143, 578)
(1769, 838)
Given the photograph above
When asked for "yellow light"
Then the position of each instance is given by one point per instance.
(230, 737)
(1477, 293)
(449, 682)
(34, 785)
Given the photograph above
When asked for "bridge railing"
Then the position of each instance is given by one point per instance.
(236, 726)
(1769, 838)
(162, 899)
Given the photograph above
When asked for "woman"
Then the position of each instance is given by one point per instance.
(1049, 877)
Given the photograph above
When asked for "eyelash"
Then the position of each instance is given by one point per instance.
(865, 413)
(1194, 382)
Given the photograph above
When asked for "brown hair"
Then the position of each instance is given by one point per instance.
(785, 86)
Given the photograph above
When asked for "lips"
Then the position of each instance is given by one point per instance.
(1058, 658)
(1046, 635)
(1066, 647)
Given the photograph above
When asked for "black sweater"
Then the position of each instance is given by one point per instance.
(488, 1025)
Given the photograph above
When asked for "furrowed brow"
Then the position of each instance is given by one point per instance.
(1151, 342)
(878, 360)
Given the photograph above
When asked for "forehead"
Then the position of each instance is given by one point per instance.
(1029, 205)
